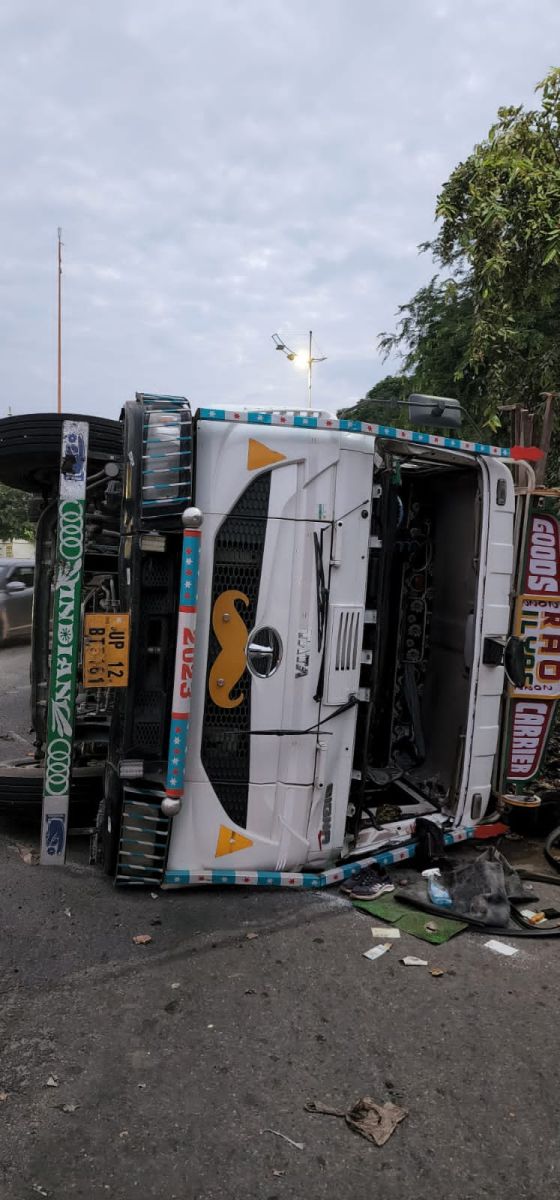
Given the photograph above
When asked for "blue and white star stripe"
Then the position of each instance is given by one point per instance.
(311, 421)
(189, 569)
(302, 879)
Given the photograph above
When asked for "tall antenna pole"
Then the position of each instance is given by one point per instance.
(309, 369)
(59, 377)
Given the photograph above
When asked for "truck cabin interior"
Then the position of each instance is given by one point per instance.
(422, 587)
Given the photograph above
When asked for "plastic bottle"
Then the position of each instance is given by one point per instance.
(438, 893)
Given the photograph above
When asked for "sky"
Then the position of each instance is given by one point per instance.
(226, 169)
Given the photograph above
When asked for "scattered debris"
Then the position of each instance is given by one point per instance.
(278, 1174)
(377, 951)
(436, 972)
(3, 1096)
(431, 927)
(410, 960)
(69, 1108)
(375, 1122)
(52, 1081)
(67, 912)
(142, 939)
(399, 910)
(500, 947)
(154, 896)
(123, 1133)
(30, 857)
(41, 1190)
(250, 937)
(141, 1086)
(384, 931)
(174, 986)
(493, 830)
(285, 1138)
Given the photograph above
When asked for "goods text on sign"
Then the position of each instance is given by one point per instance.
(537, 621)
(106, 645)
(542, 567)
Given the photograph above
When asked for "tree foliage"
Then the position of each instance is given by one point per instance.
(500, 222)
(15, 521)
(486, 330)
(385, 402)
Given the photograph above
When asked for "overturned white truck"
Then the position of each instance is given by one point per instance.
(307, 633)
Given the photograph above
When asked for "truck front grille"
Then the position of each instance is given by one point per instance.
(238, 553)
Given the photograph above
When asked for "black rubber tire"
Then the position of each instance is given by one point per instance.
(30, 447)
(21, 789)
(553, 840)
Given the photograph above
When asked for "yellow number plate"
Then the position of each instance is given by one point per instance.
(106, 640)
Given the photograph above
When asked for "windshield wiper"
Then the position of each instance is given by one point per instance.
(322, 589)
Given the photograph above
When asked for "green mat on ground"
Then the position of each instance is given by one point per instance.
(411, 920)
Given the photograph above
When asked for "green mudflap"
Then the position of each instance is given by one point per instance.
(411, 920)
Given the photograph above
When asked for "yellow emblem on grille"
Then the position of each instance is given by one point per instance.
(232, 634)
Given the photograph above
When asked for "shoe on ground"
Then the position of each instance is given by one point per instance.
(368, 884)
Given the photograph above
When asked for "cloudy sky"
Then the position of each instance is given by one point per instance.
(225, 169)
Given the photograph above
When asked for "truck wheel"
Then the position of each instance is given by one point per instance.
(21, 789)
(30, 447)
(4, 631)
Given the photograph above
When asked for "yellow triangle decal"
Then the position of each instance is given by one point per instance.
(259, 455)
(229, 841)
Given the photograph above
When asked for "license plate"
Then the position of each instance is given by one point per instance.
(106, 641)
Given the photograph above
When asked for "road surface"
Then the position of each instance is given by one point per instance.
(170, 1063)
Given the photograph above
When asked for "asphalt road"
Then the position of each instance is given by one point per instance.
(173, 1059)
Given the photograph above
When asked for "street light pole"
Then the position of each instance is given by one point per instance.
(300, 359)
(59, 356)
(309, 369)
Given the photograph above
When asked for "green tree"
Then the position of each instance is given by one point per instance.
(487, 331)
(383, 403)
(433, 339)
(500, 219)
(15, 521)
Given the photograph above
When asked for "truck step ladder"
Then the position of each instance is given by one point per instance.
(144, 839)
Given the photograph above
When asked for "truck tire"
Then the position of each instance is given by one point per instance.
(30, 447)
(21, 789)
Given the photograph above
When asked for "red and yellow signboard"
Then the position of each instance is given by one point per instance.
(532, 707)
(537, 621)
(531, 722)
(542, 566)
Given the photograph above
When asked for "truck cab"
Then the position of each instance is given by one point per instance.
(352, 585)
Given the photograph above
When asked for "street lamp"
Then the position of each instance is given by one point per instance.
(300, 359)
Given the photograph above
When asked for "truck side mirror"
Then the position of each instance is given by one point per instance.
(515, 661)
(507, 652)
(439, 411)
